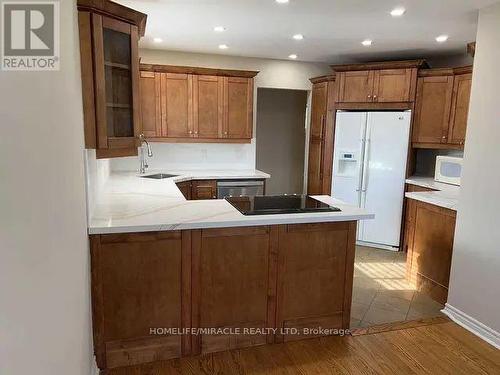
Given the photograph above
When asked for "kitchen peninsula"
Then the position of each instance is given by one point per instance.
(164, 264)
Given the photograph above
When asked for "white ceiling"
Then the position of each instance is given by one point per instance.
(333, 29)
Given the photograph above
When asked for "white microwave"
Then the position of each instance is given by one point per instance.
(448, 169)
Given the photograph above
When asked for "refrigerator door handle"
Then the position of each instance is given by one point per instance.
(366, 160)
(361, 160)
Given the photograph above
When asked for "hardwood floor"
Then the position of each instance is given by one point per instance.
(444, 348)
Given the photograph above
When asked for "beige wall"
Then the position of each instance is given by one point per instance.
(279, 74)
(44, 266)
(475, 271)
(272, 74)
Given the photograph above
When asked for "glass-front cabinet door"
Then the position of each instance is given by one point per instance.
(116, 66)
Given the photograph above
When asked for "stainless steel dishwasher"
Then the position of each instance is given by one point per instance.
(236, 188)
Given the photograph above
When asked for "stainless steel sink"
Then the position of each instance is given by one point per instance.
(159, 176)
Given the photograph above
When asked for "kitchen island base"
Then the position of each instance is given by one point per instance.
(163, 295)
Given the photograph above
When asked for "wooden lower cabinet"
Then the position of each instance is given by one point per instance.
(140, 282)
(315, 274)
(269, 278)
(407, 228)
(203, 189)
(234, 285)
(431, 231)
(185, 188)
(198, 189)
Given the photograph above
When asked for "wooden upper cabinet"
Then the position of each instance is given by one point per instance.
(197, 104)
(208, 105)
(177, 105)
(383, 86)
(394, 85)
(377, 82)
(433, 106)
(460, 108)
(319, 103)
(150, 104)
(238, 107)
(110, 76)
(356, 86)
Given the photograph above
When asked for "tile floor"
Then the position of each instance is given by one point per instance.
(381, 293)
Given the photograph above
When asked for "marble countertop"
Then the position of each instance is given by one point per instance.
(446, 195)
(129, 203)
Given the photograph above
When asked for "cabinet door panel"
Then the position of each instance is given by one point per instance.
(203, 189)
(432, 109)
(137, 284)
(432, 248)
(116, 69)
(356, 87)
(232, 285)
(208, 106)
(319, 103)
(238, 98)
(315, 267)
(392, 85)
(177, 105)
(314, 167)
(150, 104)
(460, 108)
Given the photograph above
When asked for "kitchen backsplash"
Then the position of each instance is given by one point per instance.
(192, 156)
(97, 172)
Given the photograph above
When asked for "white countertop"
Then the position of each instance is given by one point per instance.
(129, 203)
(446, 195)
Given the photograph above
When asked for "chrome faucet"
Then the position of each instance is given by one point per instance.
(144, 165)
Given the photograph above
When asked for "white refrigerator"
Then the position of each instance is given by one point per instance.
(369, 169)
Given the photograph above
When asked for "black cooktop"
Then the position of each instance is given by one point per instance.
(279, 204)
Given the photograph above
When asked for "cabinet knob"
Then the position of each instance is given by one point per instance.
(190, 132)
(225, 133)
(195, 132)
(369, 96)
(374, 97)
(444, 137)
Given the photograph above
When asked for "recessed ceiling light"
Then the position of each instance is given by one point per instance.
(219, 29)
(293, 56)
(398, 12)
(442, 38)
(223, 46)
(157, 40)
(282, 1)
(367, 42)
(298, 37)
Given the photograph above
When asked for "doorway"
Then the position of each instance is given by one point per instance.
(281, 139)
